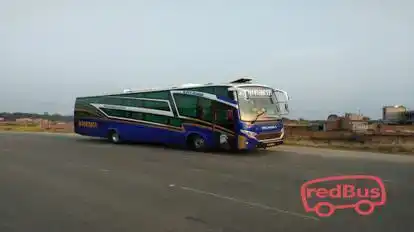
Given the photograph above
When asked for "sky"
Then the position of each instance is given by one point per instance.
(331, 56)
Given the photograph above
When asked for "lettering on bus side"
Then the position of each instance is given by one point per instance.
(87, 124)
(115, 107)
(193, 93)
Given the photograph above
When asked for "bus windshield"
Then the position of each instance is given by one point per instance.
(261, 104)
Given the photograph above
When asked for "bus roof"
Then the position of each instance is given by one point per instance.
(237, 83)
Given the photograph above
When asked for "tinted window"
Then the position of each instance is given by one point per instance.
(129, 102)
(205, 90)
(206, 113)
(80, 114)
(137, 116)
(92, 99)
(113, 101)
(221, 91)
(186, 105)
(157, 105)
(230, 94)
(156, 118)
(222, 111)
(175, 122)
(194, 107)
(139, 103)
(157, 95)
(115, 113)
(137, 95)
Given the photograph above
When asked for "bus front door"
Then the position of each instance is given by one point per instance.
(224, 125)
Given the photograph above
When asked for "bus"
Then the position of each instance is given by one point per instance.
(238, 115)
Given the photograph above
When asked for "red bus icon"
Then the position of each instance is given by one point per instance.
(339, 194)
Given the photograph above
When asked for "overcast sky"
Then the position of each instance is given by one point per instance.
(332, 56)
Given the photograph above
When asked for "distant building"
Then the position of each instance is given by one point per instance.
(354, 117)
(24, 120)
(409, 116)
(37, 120)
(332, 117)
(350, 122)
(358, 126)
(45, 124)
(355, 122)
(393, 113)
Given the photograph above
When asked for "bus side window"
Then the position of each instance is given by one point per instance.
(186, 105)
(199, 111)
(204, 111)
(222, 115)
(231, 95)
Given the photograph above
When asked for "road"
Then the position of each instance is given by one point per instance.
(68, 183)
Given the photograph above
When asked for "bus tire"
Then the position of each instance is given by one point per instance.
(114, 137)
(364, 211)
(196, 142)
(324, 209)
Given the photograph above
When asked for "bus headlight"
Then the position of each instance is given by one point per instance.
(250, 134)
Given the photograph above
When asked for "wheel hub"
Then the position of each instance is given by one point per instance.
(115, 137)
(198, 143)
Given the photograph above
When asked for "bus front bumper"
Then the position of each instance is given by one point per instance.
(269, 144)
(246, 143)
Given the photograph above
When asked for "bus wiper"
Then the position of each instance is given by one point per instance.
(257, 116)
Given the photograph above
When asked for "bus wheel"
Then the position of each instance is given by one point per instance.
(113, 136)
(364, 207)
(324, 209)
(197, 143)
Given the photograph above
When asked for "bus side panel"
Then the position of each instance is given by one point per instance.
(132, 132)
(176, 138)
(129, 131)
(90, 127)
(143, 133)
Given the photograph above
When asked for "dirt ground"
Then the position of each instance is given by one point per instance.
(388, 143)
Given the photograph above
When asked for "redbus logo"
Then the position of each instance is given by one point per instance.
(325, 195)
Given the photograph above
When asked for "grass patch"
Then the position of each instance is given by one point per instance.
(37, 128)
(21, 128)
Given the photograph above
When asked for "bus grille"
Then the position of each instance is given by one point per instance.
(267, 136)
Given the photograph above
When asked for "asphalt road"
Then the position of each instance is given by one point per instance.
(68, 183)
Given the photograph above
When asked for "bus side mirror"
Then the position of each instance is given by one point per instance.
(288, 98)
(286, 107)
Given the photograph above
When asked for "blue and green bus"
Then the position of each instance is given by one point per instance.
(239, 115)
